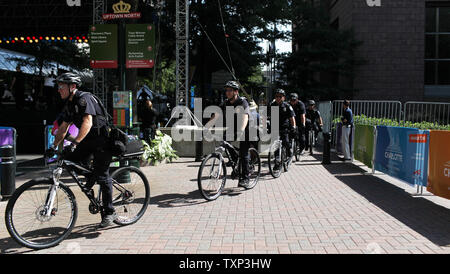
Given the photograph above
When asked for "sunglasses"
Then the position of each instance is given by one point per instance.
(279, 96)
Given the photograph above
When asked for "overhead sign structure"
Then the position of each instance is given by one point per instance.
(103, 46)
(140, 45)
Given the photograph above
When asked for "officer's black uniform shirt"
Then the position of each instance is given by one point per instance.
(240, 101)
(299, 110)
(312, 115)
(286, 112)
(83, 103)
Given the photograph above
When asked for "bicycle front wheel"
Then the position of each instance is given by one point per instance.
(212, 176)
(255, 168)
(131, 195)
(31, 224)
(275, 159)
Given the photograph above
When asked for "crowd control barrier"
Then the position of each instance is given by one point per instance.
(364, 144)
(403, 153)
(439, 173)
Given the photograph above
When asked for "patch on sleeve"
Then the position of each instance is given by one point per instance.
(82, 102)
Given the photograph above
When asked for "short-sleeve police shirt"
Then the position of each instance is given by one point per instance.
(299, 110)
(286, 112)
(82, 104)
(313, 115)
(240, 102)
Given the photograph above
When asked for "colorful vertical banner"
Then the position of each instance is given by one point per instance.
(123, 109)
(403, 153)
(140, 46)
(439, 174)
(364, 143)
(103, 46)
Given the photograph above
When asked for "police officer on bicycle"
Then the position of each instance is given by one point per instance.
(239, 107)
(313, 120)
(287, 125)
(300, 119)
(83, 110)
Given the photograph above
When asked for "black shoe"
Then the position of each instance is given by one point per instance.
(108, 220)
(244, 183)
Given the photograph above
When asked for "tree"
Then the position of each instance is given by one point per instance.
(323, 62)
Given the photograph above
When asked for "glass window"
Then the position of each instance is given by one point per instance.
(444, 46)
(430, 72)
(430, 46)
(431, 20)
(444, 73)
(444, 19)
(437, 46)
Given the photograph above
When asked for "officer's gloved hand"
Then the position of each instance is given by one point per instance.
(69, 149)
(49, 153)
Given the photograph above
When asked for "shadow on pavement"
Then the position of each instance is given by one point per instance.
(9, 246)
(423, 216)
(178, 200)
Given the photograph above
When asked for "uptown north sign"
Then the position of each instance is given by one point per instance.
(373, 3)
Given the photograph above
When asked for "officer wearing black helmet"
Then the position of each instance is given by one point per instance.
(286, 119)
(313, 119)
(83, 110)
(300, 119)
(241, 113)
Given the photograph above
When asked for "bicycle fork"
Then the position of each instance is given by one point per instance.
(50, 199)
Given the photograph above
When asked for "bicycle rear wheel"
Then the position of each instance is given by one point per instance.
(311, 141)
(255, 168)
(130, 196)
(211, 177)
(275, 159)
(26, 218)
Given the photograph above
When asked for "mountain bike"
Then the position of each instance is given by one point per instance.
(212, 174)
(277, 158)
(42, 213)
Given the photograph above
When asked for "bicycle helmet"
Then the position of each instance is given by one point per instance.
(311, 103)
(232, 84)
(280, 91)
(69, 78)
(294, 96)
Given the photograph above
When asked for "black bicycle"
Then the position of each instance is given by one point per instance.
(42, 213)
(212, 174)
(310, 141)
(278, 159)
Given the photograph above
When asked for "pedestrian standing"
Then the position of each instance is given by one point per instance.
(18, 86)
(347, 129)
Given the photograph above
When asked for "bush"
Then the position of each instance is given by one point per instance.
(159, 149)
(364, 120)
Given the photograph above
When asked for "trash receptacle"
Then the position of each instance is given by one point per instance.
(326, 159)
(7, 171)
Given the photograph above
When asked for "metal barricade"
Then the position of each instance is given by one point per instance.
(433, 112)
(375, 109)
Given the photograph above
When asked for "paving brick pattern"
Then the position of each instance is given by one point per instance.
(311, 209)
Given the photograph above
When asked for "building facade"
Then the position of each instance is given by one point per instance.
(406, 46)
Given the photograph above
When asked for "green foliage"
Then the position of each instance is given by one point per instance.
(324, 55)
(159, 150)
(364, 120)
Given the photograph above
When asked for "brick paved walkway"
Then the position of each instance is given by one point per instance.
(310, 209)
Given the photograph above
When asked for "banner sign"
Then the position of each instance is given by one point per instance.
(439, 174)
(123, 108)
(103, 46)
(364, 141)
(403, 153)
(140, 45)
(112, 16)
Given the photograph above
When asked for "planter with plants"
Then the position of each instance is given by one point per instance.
(159, 151)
